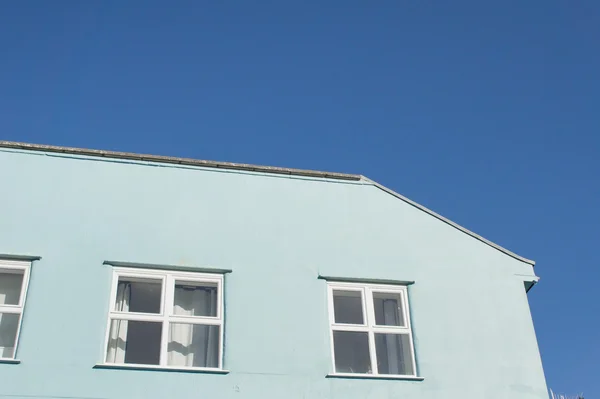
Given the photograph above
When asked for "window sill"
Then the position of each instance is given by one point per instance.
(149, 367)
(9, 361)
(375, 377)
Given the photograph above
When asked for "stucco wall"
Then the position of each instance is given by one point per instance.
(474, 336)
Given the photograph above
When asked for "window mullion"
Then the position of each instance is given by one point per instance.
(11, 309)
(221, 315)
(220, 301)
(391, 330)
(405, 309)
(371, 322)
(349, 327)
(24, 285)
(136, 317)
(167, 310)
(331, 320)
(409, 328)
(210, 321)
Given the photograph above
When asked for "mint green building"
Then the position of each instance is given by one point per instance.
(135, 276)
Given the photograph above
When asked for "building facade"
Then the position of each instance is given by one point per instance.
(130, 276)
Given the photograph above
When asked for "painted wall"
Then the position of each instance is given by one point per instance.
(473, 332)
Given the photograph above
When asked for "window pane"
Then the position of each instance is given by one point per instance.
(10, 287)
(9, 323)
(351, 350)
(347, 307)
(394, 354)
(388, 309)
(193, 345)
(138, 295)
(134, 342)
(195, 299)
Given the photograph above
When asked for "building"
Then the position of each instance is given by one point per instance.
(134, 276)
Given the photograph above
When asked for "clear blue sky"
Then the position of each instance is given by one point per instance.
(486, 112)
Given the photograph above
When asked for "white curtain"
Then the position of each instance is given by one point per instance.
(117, 341)
(9, 323)
(390, 315)
(193, 345)
(398, 350)
(406, 364)
(10, 291)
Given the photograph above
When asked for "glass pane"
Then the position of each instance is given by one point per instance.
(10, 287)
(193, 345)
(351, 350)
(195, 299)
(394, 354)
(347, 307)
(138, 295)
(9, 323)
(388, 309)
(134, 342)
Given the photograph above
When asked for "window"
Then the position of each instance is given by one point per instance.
(14, 277)
(370, 329)
(168, 319)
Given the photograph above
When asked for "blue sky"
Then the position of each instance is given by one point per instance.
(486, 112)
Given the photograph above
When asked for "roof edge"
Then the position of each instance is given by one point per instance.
(250, 168)
(450, 222)
(179, 161)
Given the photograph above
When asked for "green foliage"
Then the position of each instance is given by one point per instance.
(560, 396)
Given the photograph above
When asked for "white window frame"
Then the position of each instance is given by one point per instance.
(18, 266)
(166, 315)
(369, 326)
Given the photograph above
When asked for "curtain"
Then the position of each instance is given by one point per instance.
(194, 345)
(9, 323)
(10, 291)
(390, 315)
(397, 346)
(117, 340)
(406, 355)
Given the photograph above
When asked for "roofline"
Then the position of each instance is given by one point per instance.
(450, 222)
(179, 161)
(251, 168)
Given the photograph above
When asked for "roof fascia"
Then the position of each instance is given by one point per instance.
(450, 222)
